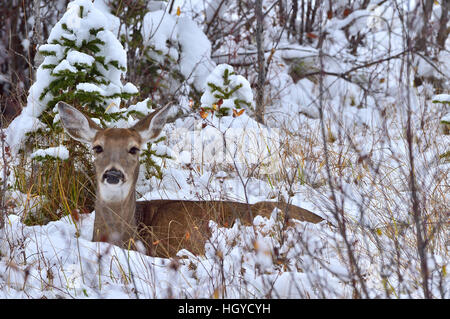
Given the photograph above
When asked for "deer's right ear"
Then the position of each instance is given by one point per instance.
(76, 124)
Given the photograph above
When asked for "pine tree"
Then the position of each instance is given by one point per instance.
(86, 63)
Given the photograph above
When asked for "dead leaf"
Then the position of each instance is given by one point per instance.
(238, 113)
(75, 214)
(329, 14)
(347, 11)
(203, 114)
(311, 35)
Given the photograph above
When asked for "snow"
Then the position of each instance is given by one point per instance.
(297, 51)
(113, 22)
(64, 66)
(446, 118)
(23, 124)
(56, 49)
(357, 19)
(141, 107)
(60, 152)
(195, 61)
(159, 28)
(89, 87)
(130, 88)
(75, 57)
(112, 50)
(26, 44)
(443, 98)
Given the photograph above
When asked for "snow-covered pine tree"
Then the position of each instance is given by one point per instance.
(226, 92)
(83, 66)
(86, 63)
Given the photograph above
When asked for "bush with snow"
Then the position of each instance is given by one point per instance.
(85, 61)
(179, 42)
(226, 92)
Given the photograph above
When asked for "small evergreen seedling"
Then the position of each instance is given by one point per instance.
(226, 93)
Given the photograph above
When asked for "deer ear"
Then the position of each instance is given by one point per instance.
(150, 126)
(76, 124)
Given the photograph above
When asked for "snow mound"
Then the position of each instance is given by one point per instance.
(60, 152)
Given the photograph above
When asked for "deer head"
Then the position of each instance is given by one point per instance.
(116, 150)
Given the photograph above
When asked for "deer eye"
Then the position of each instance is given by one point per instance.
(133, 150)
(98, 149)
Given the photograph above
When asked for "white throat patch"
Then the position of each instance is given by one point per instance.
(113, 192)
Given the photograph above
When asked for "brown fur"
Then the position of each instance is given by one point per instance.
(166, 226)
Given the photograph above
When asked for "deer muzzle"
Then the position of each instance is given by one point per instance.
(113, 176)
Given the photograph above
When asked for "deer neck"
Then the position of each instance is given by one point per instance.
(115, 220)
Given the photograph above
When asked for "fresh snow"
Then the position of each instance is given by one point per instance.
(162, 30)
(443, 98)
(446, 118)
(195, 61)
(130, 88)
(75, 57)
(89, 87)
(64, 66)
(60, 152)
(23, 124)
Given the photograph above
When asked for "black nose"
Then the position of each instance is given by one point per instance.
(113, 176)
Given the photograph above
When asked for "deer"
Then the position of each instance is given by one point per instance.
(164, 226)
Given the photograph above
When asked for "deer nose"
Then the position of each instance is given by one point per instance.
(113, 176)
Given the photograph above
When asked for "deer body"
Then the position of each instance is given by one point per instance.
(170, 225)
(165, 226)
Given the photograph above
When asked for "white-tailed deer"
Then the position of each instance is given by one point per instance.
(164, 226)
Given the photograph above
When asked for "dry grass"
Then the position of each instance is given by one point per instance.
(55, 187)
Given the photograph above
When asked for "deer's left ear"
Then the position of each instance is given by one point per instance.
(150, 126)
(76, 124)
